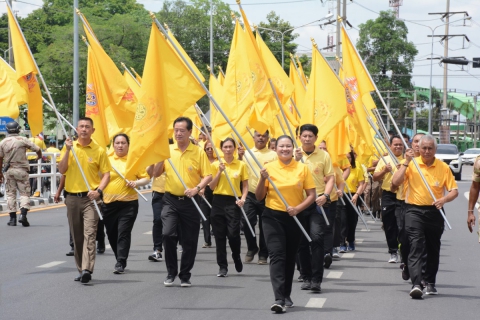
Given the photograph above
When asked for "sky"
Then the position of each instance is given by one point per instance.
(301, 12)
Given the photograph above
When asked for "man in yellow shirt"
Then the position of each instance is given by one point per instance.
(82, 215)
(423, 222)
(52, 149)
(254, 208)
(384, 171)
(178, 211)
(312, 255)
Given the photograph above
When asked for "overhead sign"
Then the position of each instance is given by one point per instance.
(476, 63)
(3, 123)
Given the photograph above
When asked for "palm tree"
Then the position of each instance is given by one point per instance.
(467, 109)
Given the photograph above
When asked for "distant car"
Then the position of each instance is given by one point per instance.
(449, 154)
(469, 155)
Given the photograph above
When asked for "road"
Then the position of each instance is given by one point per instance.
(37, 279)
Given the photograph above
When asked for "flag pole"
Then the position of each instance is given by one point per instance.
(71, 126)
(246, 158)
(134, 78)
(44, 85)
(298, 71)
(355, 207)
(399, 132)
(221, 70)
(226, 173)
(219, 109)
(295, 106)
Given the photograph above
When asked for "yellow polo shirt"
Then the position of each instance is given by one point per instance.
(158, 184)
(402, 189)
(338, 180)
(117, 189)
(39, 143)
(353, 180)
(264, 156)
(94, 162)
(237, 172)
(192, 165)
(320, 166)
(291, 180)
(343, 163)
(387, 178)
(438, 176)
(54, 150)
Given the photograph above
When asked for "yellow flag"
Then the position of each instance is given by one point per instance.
(20, 93)
(221, 78)
(299, 88)
(337, 142)
(193, 115)
(356, 86)
(301, 72)
(8, 100)
(167, 86)
(121, 93)
(324, 102)
(27, 76)
(132, 83)
(237, 96)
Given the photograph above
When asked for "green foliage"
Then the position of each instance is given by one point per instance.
(389, 56)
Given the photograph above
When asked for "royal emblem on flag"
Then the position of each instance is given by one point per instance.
(351, 94)
(31, 81)
(91, 101)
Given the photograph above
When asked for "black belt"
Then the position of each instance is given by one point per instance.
(76, 194)
(182, 197)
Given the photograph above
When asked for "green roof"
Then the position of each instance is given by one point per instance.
(458, 100)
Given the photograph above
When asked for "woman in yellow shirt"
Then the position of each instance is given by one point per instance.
(225, 215)
(120, 203)
(282, 235)
(355, 183)
(208, 194)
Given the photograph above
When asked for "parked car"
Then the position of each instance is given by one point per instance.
(469, 155)
(449, 154)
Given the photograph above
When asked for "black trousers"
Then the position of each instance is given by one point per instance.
(282, 236)
(119, 218)
(100, 237)
(424, 226)
(225, 219)
(254, 208)
(157, 206)
(180, 213)
(337, 229)
(402, 234)
(207, 236)
(389, 219)
(311, 254)
(349, 222)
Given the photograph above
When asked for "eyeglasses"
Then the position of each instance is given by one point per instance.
(208, 149)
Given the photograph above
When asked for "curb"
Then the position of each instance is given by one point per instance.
(34, 202)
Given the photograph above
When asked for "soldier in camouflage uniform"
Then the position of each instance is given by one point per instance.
(13, 156)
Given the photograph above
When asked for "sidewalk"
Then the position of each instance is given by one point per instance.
(39, 201)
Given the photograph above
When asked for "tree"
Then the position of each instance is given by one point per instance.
(274, 39)
(388, 55)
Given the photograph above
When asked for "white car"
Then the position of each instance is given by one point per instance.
(449, 154)
(469, 155)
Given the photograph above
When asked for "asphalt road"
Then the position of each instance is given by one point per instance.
(37, 279)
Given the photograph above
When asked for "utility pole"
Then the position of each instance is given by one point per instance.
(10, 49)
(445, 54)
(76, 72)
(414, 125)
(211, 35)
(475, 121)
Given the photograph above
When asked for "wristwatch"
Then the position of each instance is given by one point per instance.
(326, 195)
(198, 188)
(100, 192)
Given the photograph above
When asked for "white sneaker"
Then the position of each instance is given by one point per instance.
(393, 258)
(156, 256)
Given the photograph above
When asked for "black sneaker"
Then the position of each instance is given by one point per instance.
(300, 278)
(423, 284)
(222, 273)
(185, 283)
(70, 253)
(431, 290)
(327, 261)
(315, 286)
(288, 302)
(238, 262)
(405, 273)
(156, 256)
(118, 268)
(250, 255)
(416, 292)
(306, 285)
(278, 307)
(169, 281)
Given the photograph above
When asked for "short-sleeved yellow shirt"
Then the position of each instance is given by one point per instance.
(117, 190)
(291, 180)
(237, 172)
(338, 180)
(192, 165)
(387, 178)
(94, 162)
(264, 156)
(54, 150)
(343, 163)
(438, 176)
(402, 189)
(320, 166)
(158, 184)
(354, 178)
(39, 143)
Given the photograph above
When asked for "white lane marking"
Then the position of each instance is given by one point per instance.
(334, 275)
(348, 255)
(51, 264)
(148, 232)
(358, 241)
(370, 221)
(363, 230)
(315, 303)
(108, 246)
